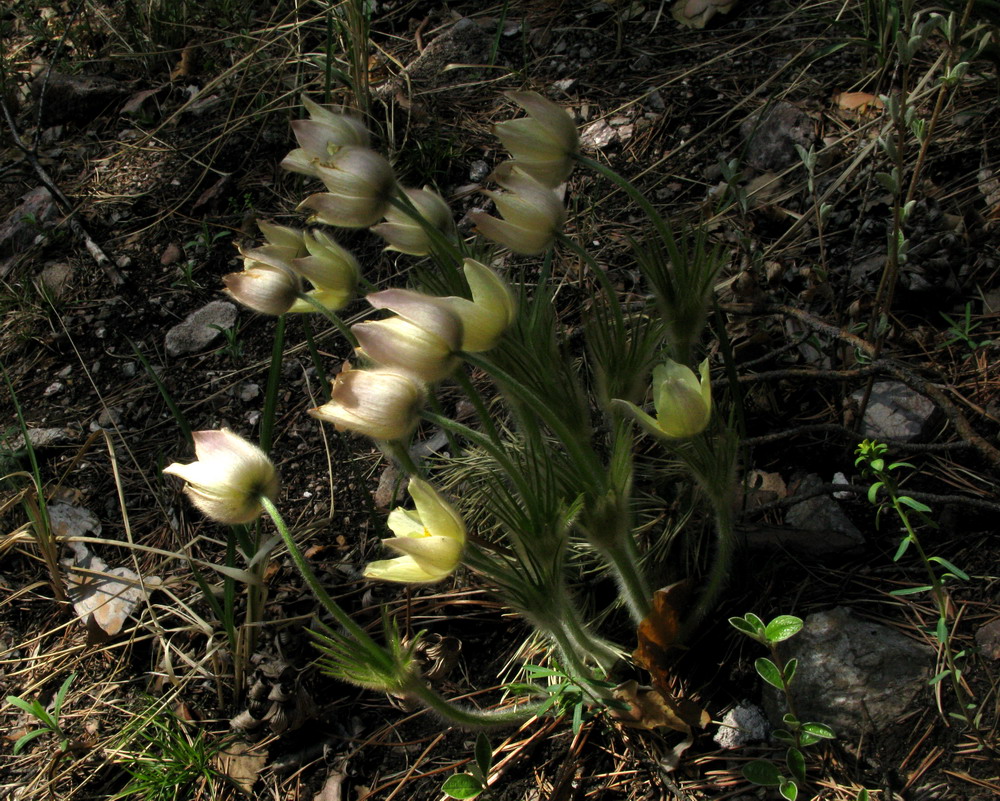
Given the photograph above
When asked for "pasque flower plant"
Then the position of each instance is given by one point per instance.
(541, 468)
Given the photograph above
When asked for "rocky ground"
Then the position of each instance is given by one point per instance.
(139, 149)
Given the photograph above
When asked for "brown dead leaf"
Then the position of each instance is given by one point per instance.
(331, 788)
(650, 708)
(658, 633)
(858, 102)
(241, 763)
(763, 488)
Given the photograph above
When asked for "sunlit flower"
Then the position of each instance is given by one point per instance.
(331, 269)
(379, 403)
(683, 403)
(488, 314)
(266, 287)
(430, 537)
(360, 183)
(405, 234)
(229, 477)
(532, 214)
(421, 341)
(321, 136)
(544, 142)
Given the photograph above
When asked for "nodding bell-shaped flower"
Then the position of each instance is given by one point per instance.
(229, 477)
(543, 143)
(331, 269)
(405, 234)
(488, 314)
(532, 214)
(264, 285)
(683, 403)
(381, 404)
(321, 136)
(421, 341)
(430, 537)
(360, 183)
(268, 283)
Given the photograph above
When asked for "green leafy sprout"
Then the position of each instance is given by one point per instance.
(49, 720)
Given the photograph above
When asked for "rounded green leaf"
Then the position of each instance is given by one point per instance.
(769, 672)
(462, 786)
(789, 790)
(762, 772)
(783, 627)
(796, 764)
(819, 730)
(790, 667)
(484, 754)
(783, 736)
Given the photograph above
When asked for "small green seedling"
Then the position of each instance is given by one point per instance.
(961, 330)
(779, 674)
(49, 720)
(473, 782)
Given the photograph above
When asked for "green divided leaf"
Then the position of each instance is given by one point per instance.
(762, 772)
(783, 627)
(462, 786)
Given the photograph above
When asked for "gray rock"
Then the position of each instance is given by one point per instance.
(76, 98)
(40, 438)
(895, 411)
(745, 723)
(822, 515)
(771, 134)
(55, 279)
(196, 332)
(852, 674)
(21, 226)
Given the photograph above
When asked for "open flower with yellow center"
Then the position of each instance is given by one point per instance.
(331, 269)
(488, 314)
(229, 477)
(421, 341)
(430, 537)
(321, 136)
(360, 183)
(543, 143)
(405, 234)
(532, 214)
(380, 403)
(683, 403)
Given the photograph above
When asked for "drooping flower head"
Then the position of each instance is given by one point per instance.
(268, 284)
(321, 136)
(380, 403)
(405, 234)
(532, 214)
(229, 477)
(683, 403)
(543, 143)
(331, 269)
(421, 341)
(488, 314)
(359, 183)
(430, 537)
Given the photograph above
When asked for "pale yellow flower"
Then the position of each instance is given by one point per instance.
(229, 477)
(405, 234)
(321, 136)
(489, 313)
(683, 403)
(331, 269)
(360, 183)
(430, 537)
(380, 403)
(263, 285)
(532, 214)
(543, 143)
(422, 340)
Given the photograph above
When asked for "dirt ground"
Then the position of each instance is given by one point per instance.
(171, 156)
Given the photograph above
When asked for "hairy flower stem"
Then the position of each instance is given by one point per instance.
(464, 716)
(330, 605)
(721, 563)
(625, 564)
(332, 317)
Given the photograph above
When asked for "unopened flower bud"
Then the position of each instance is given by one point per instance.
(488, 314)
(380, 403)
(683, 403)
(532, 214)
(543, 143)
